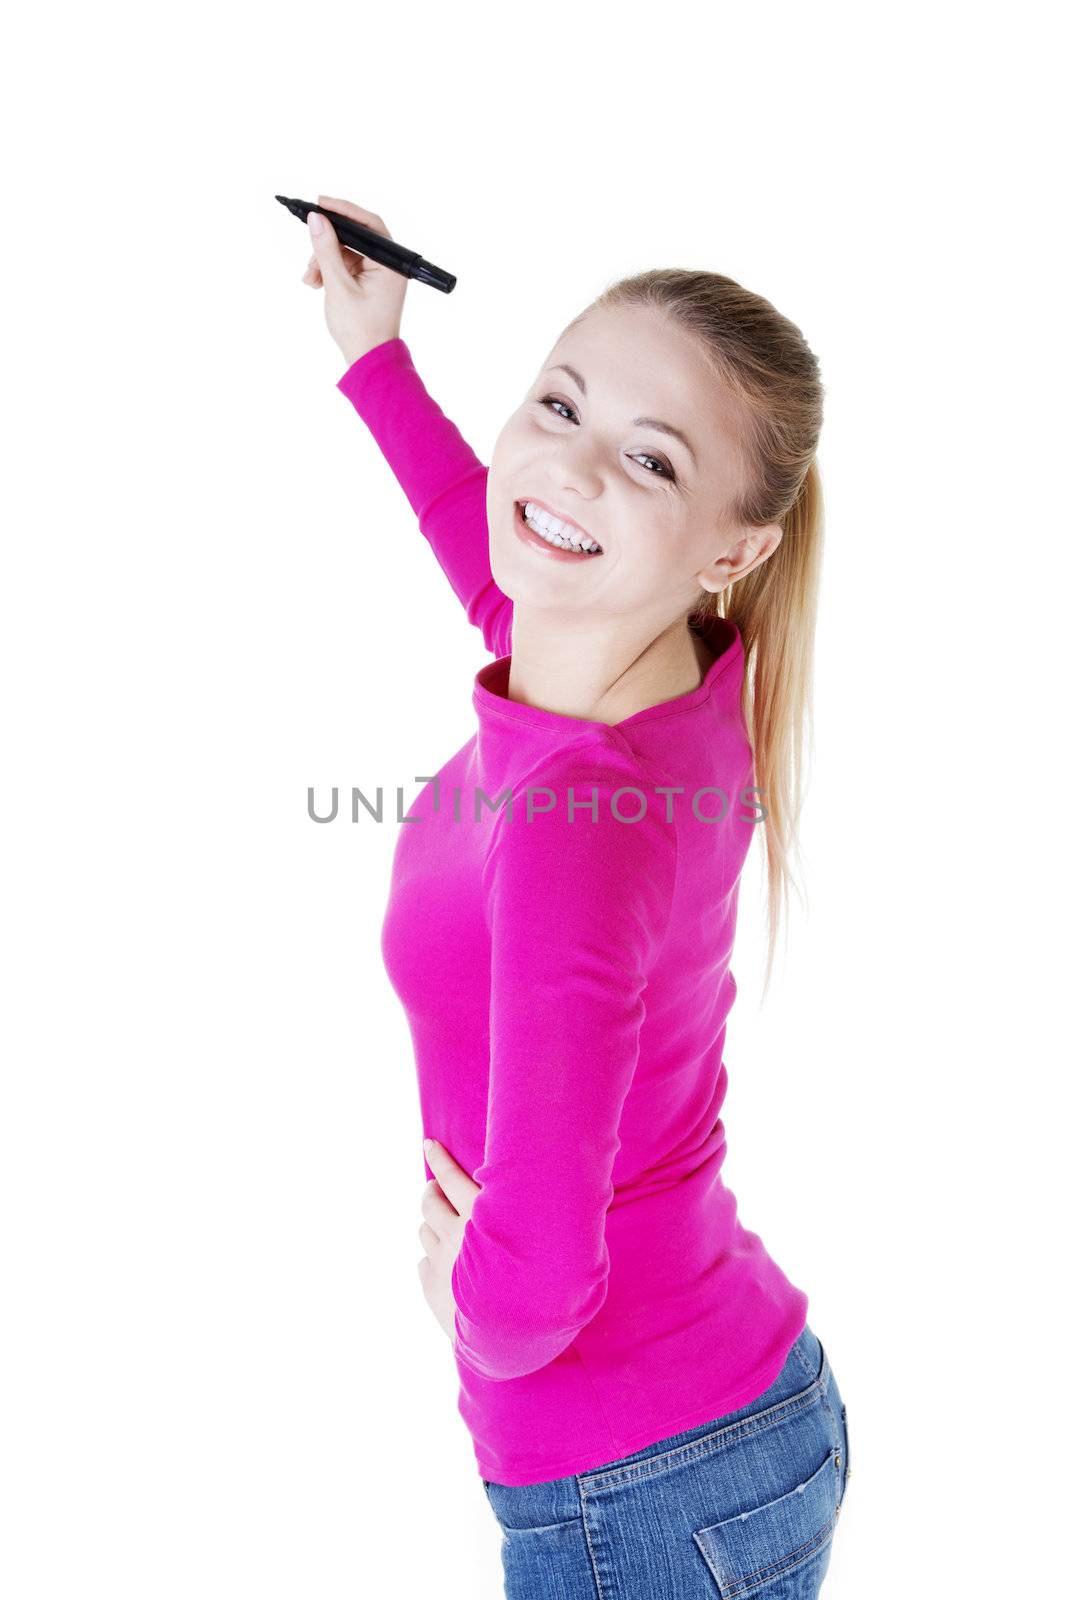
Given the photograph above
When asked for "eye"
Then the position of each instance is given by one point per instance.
(549, 400)
(665, 470)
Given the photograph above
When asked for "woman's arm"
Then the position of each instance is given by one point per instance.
(442, 477)
(577, 912)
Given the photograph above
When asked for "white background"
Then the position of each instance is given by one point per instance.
(219, 1375)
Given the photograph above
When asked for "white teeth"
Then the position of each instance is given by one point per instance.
(554, 531)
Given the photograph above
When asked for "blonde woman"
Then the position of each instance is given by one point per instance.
(651, 1413)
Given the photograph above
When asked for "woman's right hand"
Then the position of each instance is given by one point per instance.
(364, 299)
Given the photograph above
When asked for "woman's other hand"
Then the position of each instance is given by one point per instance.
(364, 299)
(447, 1202)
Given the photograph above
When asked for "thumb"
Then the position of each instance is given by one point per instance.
(324, 242)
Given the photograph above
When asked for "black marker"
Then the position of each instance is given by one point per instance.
(387, 251)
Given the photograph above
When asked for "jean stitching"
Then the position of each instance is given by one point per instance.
(541, 1527)
(718, 1439)
(800, 1354)
(796, 1558)
(839, 1473)
(589, 1543)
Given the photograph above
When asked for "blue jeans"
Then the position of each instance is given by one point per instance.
(744, 1505)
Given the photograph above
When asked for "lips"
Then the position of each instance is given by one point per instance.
(545, 548)
(530, 500)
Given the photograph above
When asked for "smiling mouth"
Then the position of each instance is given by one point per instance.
(553, 537)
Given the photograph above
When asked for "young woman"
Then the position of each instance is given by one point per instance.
(650, 1411)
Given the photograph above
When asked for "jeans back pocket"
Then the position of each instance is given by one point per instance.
(789, 1533)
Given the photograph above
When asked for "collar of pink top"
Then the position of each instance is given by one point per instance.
(490, 695)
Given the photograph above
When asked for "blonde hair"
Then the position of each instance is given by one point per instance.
(767, 365)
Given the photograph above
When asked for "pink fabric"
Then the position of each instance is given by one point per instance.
(566, 982)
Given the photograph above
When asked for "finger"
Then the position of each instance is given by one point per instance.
(345, 208)
(327, 247)
(337, 256)
(459, 1187)
(436, 1207)
(438, 1159)
(351, 259)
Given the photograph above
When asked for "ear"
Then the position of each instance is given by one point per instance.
(754, 546)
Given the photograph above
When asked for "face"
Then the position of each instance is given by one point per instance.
(655, 503)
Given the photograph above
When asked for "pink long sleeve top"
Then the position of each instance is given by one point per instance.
(565, 975)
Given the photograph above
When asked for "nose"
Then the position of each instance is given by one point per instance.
(574, 470)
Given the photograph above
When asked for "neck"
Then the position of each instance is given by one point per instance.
(601, 674)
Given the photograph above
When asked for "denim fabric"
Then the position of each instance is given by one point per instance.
(746, 1504)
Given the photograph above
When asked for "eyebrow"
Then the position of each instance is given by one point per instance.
(639, 422)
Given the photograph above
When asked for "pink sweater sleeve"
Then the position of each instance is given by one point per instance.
(441, 475)
(577, 911)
